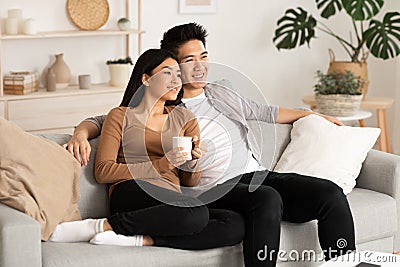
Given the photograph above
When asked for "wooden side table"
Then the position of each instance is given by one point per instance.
(360, 116)
(380, 104)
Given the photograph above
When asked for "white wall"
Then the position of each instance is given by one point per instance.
(396, 130)
(240, 35)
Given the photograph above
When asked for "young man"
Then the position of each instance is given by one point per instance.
(289, 197)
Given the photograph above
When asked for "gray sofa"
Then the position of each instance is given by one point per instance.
(375, 203)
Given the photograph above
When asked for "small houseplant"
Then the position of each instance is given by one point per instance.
(120, 71)
(338, 94)
(381, 38)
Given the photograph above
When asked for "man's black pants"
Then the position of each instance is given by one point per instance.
(289, 197)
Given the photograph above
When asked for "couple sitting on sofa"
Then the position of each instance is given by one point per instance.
(149, 179)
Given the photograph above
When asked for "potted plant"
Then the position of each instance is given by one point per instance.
(381, 38)
(338, 94)
(120, 71)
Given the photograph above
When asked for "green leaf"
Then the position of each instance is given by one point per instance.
(295, 28)
(329, 8)
(362, 9)
(383, 38)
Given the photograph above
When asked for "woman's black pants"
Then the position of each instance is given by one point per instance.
(175, 220)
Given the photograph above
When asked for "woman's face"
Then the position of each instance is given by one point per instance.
(165, 81)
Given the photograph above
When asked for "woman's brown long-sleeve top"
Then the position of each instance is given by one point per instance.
(130, 150)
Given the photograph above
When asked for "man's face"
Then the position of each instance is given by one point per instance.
(193, 58)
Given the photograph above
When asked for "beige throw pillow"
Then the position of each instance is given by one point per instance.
(38, 177)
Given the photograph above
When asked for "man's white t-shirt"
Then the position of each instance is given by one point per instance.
(228, 154)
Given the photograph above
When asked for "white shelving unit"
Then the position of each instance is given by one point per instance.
(70, 33)
(50, 106)
(79, 33)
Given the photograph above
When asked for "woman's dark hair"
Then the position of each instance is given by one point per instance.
(145, 64)
(181, 34)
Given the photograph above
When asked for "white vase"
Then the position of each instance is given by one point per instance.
(17, 14)
(29, 27)
(11, 26)
(120, 74)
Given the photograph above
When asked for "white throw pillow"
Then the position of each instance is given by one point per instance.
(322, 149)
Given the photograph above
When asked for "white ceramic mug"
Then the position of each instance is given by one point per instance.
(185, 142)
(84, 81)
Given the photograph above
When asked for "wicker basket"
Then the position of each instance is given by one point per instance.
(359, 69)
(338, 105)
(88, 14)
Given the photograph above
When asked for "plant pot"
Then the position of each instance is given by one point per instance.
(358, 68)
(119, 74)
(338, 105)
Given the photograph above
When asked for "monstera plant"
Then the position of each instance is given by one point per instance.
(381, 37)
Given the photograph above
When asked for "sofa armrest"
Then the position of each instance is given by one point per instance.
(20, 239)
(381, 173)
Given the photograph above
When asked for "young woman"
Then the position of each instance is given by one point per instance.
(135, 157)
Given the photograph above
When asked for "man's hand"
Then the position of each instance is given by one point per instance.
(332, 119)
(79, 147)
(197, 152)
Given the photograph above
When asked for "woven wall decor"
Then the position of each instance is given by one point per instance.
(88, 14)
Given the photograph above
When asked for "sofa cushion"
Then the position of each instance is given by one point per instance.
(374, 217)
(86, 254)
(374, 214)
(272, 139)
(94, 201)
(322, 149)
(38, 177)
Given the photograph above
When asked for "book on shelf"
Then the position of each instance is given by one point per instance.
(24, 73)
(8, 81)
(19, 92)
(20, 87)
(20, 83)
(28, 76)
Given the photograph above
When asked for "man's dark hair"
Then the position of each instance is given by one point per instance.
(178, 35)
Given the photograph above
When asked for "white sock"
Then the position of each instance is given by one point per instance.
(111, 238)
(77, 231)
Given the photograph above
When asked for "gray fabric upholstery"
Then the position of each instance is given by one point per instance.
(373, 220)
(85, 254)
(374, 203)
(373, 215)
(94, 197)
(273, 139)
(19, 232)
(381, 173)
